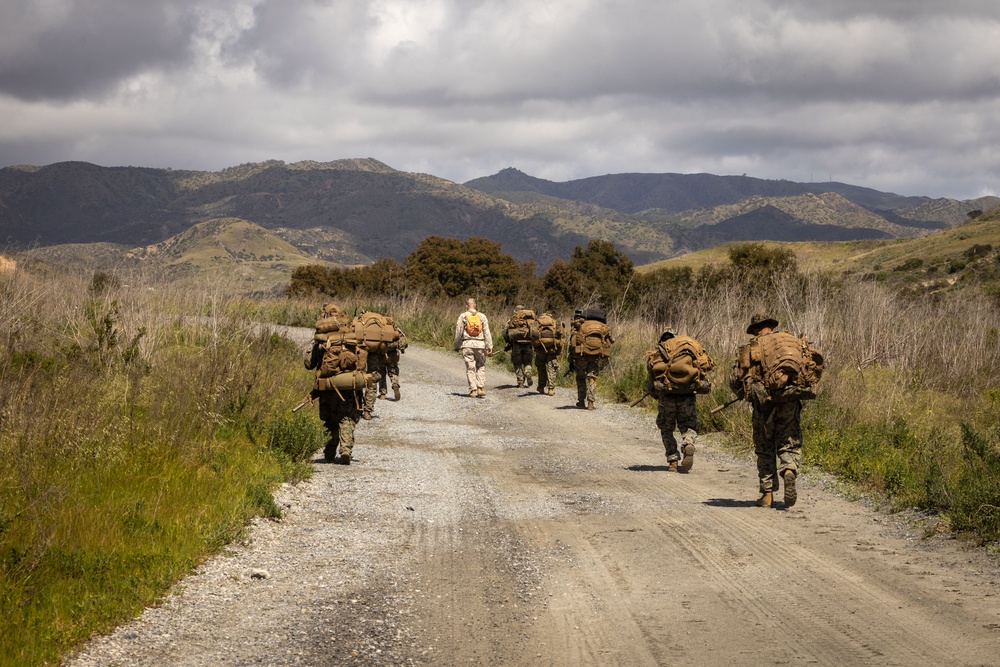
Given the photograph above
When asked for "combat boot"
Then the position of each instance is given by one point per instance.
(395, 392)
(552, 392)
(688, 459)
(381, 397)
(590, 405)
(366, 415)
(581, 404)
(528, 381)
(766, 499)
(481, 393)
(672, 466)
(345, 459)
(791, 495)
(473, 393)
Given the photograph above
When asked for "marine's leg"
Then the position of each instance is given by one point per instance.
(552, 367)
(762, 422)
(687, 424)
(480, 359)
(392, 370)
(527, 356)
(593, 369)
(347, 419)
(469, 357)
(665, 420)
(541, 365)
(579, 366)
(329, 419)
(788, 442)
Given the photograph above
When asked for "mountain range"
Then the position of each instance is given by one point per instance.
(355, 211)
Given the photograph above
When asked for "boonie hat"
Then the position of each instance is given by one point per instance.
(760, 319)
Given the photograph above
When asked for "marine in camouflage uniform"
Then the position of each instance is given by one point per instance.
(522, 354)
(547, 364)
(675, 411)
(339, 412)
(587, 370)
(777, 430)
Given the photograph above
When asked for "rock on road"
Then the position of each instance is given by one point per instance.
(519, 530)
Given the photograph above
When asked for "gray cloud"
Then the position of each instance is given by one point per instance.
(898, 95)
(63, 50)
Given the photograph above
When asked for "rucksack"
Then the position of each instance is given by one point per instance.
(681, 364)
(550, 334)
(592, 339)
(522, 327)
(787, 360)
(332, 318)
(474, 324)
(374, 331)
(341, 354)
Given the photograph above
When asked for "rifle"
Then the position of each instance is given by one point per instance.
(638, 400)
(308, 400)
(722, 407)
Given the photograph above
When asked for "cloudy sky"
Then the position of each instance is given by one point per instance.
(898, 95)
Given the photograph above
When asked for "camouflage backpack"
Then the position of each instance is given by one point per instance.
(374, 331)
(784, 361)
(592, 338)
(342, 360)
(681, 364)
(522, 327)
(550, 334)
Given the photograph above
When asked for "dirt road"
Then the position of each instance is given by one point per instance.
(519, 530)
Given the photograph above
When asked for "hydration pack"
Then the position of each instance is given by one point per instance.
(474, 324)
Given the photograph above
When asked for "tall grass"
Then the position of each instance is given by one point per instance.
(136, 441)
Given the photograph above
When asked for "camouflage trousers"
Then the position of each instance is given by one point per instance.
(340, 417)
(676, 411)
(521, 355)
(376, 366)
(777, 441)
(548, 369)
(475, 367)
(587, 369)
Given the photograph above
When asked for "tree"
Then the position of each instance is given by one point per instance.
(449, 267)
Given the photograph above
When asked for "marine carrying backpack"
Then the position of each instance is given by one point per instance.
(592, 338)
(374, 331)
(550, 334)
(681, 364)
(522, 327)
(786, 361)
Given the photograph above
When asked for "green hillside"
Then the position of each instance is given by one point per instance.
(967, 255)
(227, 245)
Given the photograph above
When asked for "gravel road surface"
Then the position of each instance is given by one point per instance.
(519, 530)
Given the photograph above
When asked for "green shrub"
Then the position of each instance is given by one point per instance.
(296, 435)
